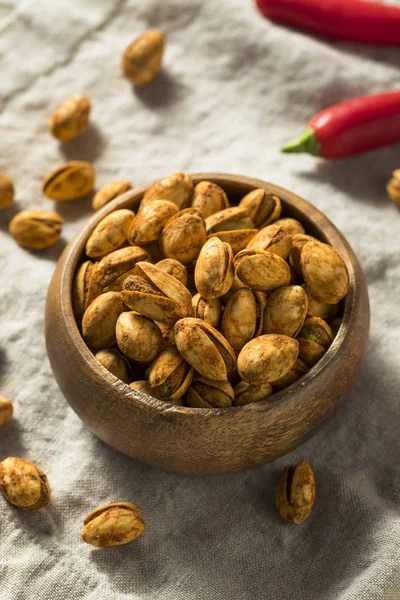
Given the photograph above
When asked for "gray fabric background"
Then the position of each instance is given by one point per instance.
(234, 88)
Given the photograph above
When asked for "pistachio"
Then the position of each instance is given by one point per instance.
(109, 192)
(320, 309)
(291, 226)
(393, 187)
(261, 270)
(237, 239)
(298, 241)
(167, 332)
(86, 286)
(243, 317)
(170, 375)
(317, 330)
(263, 207)
(157, 295)
(214, 270)
(142, 59)
(74, 179)
(70, 118)
(177, 188)
(138, 337)
(99, 320)
(272, 238)
(205, 393)
(6, 191)
(24, 484)
(286, 311)
(324, 272)
(110, 233)
(115, 362)
(295, 492)
(208, 198)
(36, 229)
(298, 370)
(310, 352)
(174, 268)
(205, 349)
(112, 525)
(267, 358)
(183, 236)
(150, 221)
(118, 265)
(207, 310)
(6, 410)
(246, 393)
(143, 387)
(232, 218)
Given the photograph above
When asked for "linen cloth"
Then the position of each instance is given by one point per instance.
(233, 89)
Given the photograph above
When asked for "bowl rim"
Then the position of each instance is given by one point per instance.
(130, 199)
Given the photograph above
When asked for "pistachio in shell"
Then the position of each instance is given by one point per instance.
(24, 484)
(272, 238)
(238, 239)
(167, 332)
(286, 311)
(291, 226)
(298, 370)
(112, 525)
(320, 309)
(247, 394)
(295, 492)
(176, 188)
(86, 286)
(267, 358)
(170, 375)
(36, 229)
(110, 234)
(174, 268)
(208, 310)
(6, 191)
(232, 218)
(157, 295)
(317, 330)
(115, 362)
(70, 119)
(99, 320)
(143, 386)
(205, 349)
(70, 181)
(263, 207)
(148, 224)
(142, 59)
(214, 271)
(243, 317)
(298, 241)
(183, 236)
(109, 192)
(261, 270)
(138, 337)
(115, 265)
(324, 272)
(206, 393)
(209, 198)
(310, 352)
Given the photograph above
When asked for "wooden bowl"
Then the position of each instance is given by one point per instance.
(206, 440)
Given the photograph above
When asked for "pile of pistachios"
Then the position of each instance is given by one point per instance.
(196, 302)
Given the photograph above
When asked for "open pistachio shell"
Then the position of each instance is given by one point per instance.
(109, 192)
(115, 362)
(324, 272)
(143, 386)
(170, 375)
(291, 226)
(74, 179)
(320, 309)
(310, 352)
(298, 241)
(295, 492)
(173, 267)
(205, 393)
(232, 218)
(214, 270)
(183, 236)
(36, 229)
(176, 188)
(286, 311)
(242, 318)
(98, 323)
(267, 358)
(119, 262)
(263, 207)
(246, 393)
(261, 270)
(208, 198)
(110, 233)
(148, 224)
(138, 337)
(238, 239)
(207, 310)
(298, 370)
(272, 238)
(317, 330)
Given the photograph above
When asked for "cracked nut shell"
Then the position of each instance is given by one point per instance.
(205, 393)
(208, 310)
(214, 271)
(176, 188)
(110, 233)
(36, 229)
(209, 198)
(70, 181)
(263, 207)
(246, 393)
(109, 192)
(295, 492)
(148, 224)
(138, 337)
(324, 272)
(272, 238)
(113, 524)
(243, 317)
(286, 311)
(24, 484)
(183, 235)
(142, 59)
(170, 375)
(70, 119)
(115, 362)
(99, 320)
(261, 270)
(267, 358)
(174, 268)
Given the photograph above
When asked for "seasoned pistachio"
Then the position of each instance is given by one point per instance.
(232, 218)
(261, 270)
(110, 233)
(291, 226)
(310, 352)
(109, 192)
(24, 484)
(143, 386)
(298, 370)
(148, 224)
(36, 229)
(205, 349)
(120, 263)
(183, 235)
(170, 375)
(295, 492)
(70, 118)
(286, 311)
(263, 207)
(177, 188)
(142, 59)
(174, 268)
(206, 393)
(238, 239)
(317, 330)
(272, 238)
(320, 309)
(6, 191)
(99, 320)
(298, 241)
(86, 286)
(115, 362)
(393, 187)
(167, 332)
(157, 295)
(112, 525)
(208, 310)
(246, 393)
(214, 270)
(324, 272)
(138, 337)
(267, 358)
(208, 198)
(243, 317)
(6, 410)
(72, 180)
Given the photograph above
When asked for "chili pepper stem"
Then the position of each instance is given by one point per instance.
(307, 142)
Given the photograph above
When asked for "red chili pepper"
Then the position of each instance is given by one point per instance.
(352, 127)
(353, 20)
